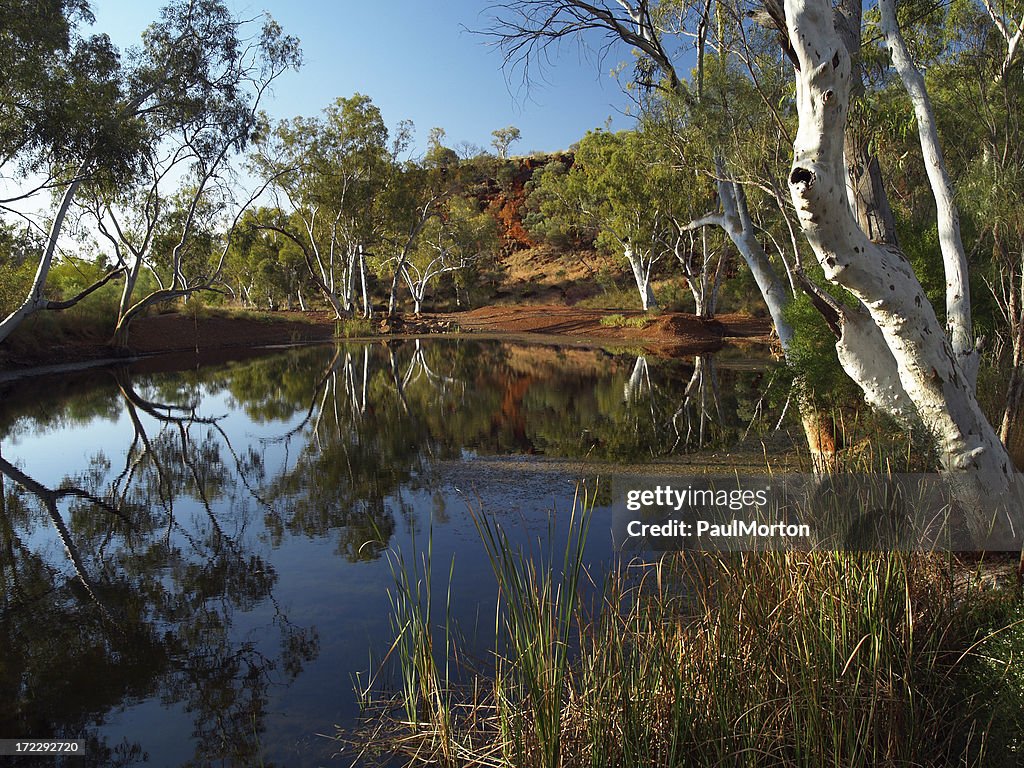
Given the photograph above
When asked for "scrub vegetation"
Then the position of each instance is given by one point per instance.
(853, 173)
(778, 658)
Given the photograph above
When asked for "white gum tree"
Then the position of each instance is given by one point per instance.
(190, 96)
(890, 341)
(927, 367)
(330, 172)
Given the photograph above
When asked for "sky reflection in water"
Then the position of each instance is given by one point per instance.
(192, 564)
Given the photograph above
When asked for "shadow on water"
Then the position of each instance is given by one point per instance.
(191, 566)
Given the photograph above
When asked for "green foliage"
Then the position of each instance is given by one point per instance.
(612, 296)
(621, 321)
(14, 285)
(264, 267)
(354, 327)
(62, 90)
(91, 321)
(503, 138)
(921, 245)
(812, 359)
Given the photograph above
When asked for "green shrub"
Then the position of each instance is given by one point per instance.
(621, 321)
(353, 327)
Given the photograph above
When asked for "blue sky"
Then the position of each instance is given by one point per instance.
(416, 60)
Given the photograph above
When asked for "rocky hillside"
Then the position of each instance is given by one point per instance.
(505, 195)
(538, 272)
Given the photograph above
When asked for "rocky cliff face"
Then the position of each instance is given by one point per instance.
(506, 195)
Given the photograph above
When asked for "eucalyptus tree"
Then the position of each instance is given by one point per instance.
(979, 72)
(621, 191)
(265, 268)
(196, 126)
(453, 241)
(928, 368)
(62, 101)
(890, 340)
(504, 138)
(416, 194)
(329, 172)
(187, 99)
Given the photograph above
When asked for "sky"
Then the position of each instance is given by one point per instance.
(418, 60)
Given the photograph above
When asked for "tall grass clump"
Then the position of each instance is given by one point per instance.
(742, 659)
(538, 606)
(783, 659)
(425, 694)
(354, 327)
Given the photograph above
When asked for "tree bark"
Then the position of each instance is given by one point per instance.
(866, 190)
(642, 276)
(35, 299)
(954, 257)
(735, 220)
(882, 279)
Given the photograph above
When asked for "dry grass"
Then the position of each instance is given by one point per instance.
(767, 659)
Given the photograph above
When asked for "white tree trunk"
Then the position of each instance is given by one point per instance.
(642, 276)
(128, 289)
(882, 278)
(954, 258)
(867, 360)
(735, 220)
(35, 299)
(362, 282)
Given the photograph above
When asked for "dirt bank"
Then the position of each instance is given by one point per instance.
(668, 330)
(216, 335)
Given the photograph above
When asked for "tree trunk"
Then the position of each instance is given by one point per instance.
(865, 189)
(362, 282)
(883, 280)
(643, 279)
(954, 258)
(128, 289)
(735, 220)
(35, 299)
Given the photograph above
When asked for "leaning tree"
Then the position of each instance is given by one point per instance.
(180, 105)
(890, 340)
(63, 118)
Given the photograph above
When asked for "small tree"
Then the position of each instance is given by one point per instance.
(504, 138)
(331, 172)
(452, 241)
(618, 191)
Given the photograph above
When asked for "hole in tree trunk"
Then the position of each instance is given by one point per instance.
(801, 176)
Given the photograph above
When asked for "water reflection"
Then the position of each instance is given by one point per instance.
(148, 521)
(160, 564)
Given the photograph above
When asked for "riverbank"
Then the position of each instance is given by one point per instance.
(212, 334)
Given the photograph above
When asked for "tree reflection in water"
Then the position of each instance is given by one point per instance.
(150, 607)
(124, 581)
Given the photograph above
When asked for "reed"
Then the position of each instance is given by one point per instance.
(766, 659)
(537, 607)
(425, 692)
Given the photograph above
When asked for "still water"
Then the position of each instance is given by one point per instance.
(194, 565)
